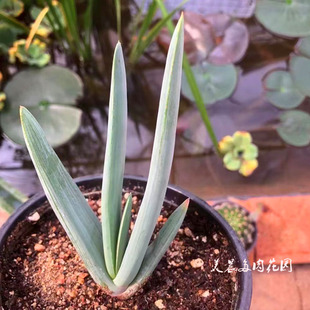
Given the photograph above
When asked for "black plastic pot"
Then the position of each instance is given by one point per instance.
(174, 195)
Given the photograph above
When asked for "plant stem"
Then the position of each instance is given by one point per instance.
(193, 85)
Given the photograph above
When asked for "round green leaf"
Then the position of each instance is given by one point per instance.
(281, 90)
(46, 93)
(12, 7)
(300, 71)
(285, 17)
(215, 82)
(294, 128)
(303, 47)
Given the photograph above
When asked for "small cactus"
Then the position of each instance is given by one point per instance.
(240, 220)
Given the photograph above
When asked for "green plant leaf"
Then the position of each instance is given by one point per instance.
(12, 7)
(303, 46)
(7, 37)
(48, 93)
(289, 18)
(123, 235)
(75, 215)
(214, 82)
(300, 71)
(160, 245)
(10, 197)
(161, 162)
(22, 28)
(294, 128)
(281, 90)
(114, 162)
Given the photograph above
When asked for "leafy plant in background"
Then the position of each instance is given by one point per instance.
(241, 221)
(239, 153)
(50, 94)
(10, 197)
(35, 54)
(119, 263)
(287, 90)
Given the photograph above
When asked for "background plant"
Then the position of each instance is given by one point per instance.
(119, 263)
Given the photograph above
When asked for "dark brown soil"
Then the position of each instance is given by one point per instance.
(43, 271)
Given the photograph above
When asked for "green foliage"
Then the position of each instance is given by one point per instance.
(300, 71)
(287, 18)
(240, 221)
(12, 7)
(303, 47)
(116, 262)
(215, 82)
(34, 55)
(10, 197)
(294, 127)
(49, 94)
(281, 90)
(239, 153)
(7, 37)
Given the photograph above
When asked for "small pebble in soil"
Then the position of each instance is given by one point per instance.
(39, 247)
(160, 304)
(197, 263)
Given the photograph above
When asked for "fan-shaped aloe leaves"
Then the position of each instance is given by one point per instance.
(215, 82)
(281, 90)
(300, 71)
(289, 18)
(294, 128)
(49, 94)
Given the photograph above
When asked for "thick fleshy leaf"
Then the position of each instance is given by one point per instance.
(231, 162)
(289, 18)
(161, 162)
(47, 93)
(281, 90)
(294, 128)
(300, 71)
(232, 46)
(75, 215)
(123, 235)
(10, 197)
(60, 123)
(160, 245)
(114, 162)
(215, 82)
(303, 46)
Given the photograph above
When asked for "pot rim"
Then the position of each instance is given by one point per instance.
(174, 193)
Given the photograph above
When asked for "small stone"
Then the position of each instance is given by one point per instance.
(39, 247)
(159, 304)
(81, 277)
(205, 294)
(216, 251)
(34, 217)
(126, 195)
(204, 239)
(188, 232)
(215, 237)
(197, 263)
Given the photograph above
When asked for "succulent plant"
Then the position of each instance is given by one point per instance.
(239, 153)
(34, 55)
(239, 219)
(118, 262)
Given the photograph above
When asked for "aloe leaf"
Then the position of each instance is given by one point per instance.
(68, 203)
(114, 163)
(10, 197)
(160, 245)
(123, 235)
(160, 163)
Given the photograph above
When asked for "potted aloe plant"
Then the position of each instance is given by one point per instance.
(75, 262)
